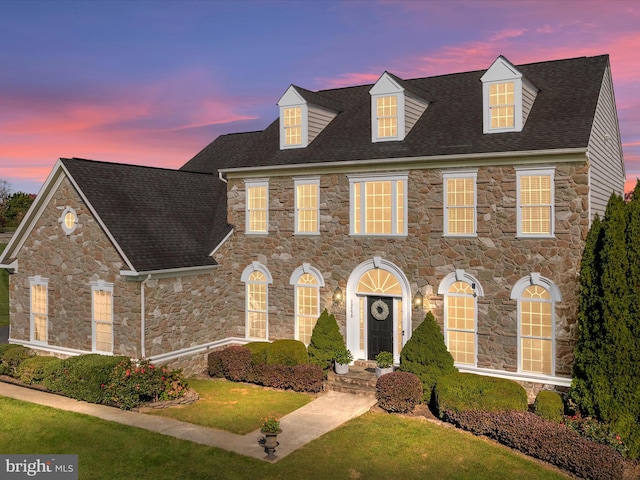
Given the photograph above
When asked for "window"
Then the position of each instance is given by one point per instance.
(257, 206)
(39, 309)
(460, 291)
(460, 203)
(536, 298)
(256, 278)
(307, 205)
(68, 220)
(535, 202)
(379, 205)
(292, 126)
(307, 282)
(502, 105)
(387, 116)
(102, 311)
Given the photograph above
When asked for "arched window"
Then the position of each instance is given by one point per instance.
(256, 277)
(460, 291)
(307, 282)
(536, 298)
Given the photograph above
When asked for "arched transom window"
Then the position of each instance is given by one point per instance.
(536, 330)
(379, 281)
(461, 322)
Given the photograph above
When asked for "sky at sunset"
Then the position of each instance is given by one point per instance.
(153, 82)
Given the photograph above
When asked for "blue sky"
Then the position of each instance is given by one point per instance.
(153, 82)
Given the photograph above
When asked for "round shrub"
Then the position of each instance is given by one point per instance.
(461, 392)
(287, 352)
(549, 405)
(325, 340)
(12, 357)
(258, 351)
(307, 378)
(398, 391)
(33, 370)
(236, 363)
(214, 364)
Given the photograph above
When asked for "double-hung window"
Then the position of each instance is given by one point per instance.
(535, 202)
(378, 204)
(292, 119)
(307, 205)
(460, 203)
(257, 206)
(502, 105)
(39, 309)
(307, 282)
(102, 313)
(257, 278)
(387, 116)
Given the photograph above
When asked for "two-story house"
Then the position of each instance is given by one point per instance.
(468, 194)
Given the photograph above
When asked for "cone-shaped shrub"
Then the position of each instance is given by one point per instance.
(426, 355)
(325, 340)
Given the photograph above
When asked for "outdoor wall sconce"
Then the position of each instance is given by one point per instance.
(418, 300)
(337, 296)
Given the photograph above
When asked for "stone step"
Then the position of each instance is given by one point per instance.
(353, 389)
(359, 381)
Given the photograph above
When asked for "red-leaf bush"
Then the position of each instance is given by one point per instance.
(214, 364)
(275, 376)
(306, 378)
(548, 441)
(398, 391)
(236, 363)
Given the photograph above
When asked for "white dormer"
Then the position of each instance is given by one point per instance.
(507, 97)
(301, 120)
(394, 110)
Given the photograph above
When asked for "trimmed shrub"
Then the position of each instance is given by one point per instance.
(84, 377)
(236, 363)
(398, 391)
(287, 352)
(306, 378)
(325, 340)
(545, 440)
(258, 351)
(272, 375)
(597, 431)
(461, 392)
(12, 357)
(549, 405)
(33, 370)
(426, 355)
(214, 364)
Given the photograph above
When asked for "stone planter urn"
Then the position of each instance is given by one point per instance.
(270, 444)
(382, 371)
(341, 368)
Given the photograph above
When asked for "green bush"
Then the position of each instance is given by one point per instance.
(426, 355)
(398, 392)
(84, 377)
(258, 351)
(549, 405)
(460, 392)
(326, 339)
(12, 357)
(33, 370)
(287, 352)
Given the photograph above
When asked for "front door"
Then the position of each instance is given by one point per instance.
(380, 325)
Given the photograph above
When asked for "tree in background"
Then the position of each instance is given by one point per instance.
(5, 192)
(606, 381)
(16, 206)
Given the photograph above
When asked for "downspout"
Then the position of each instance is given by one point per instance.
(143, 353)
(221, 177)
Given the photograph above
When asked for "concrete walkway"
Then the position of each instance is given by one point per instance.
(300, 427)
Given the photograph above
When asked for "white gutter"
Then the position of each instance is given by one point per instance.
(135, 276)
(10, 267)
(221, 177)
(142, 317)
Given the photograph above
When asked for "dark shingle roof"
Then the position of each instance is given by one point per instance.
(561, 117)
(161, 218)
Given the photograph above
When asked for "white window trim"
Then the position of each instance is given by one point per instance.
(306, 181)
(38, 281)
(61, 220)
(517, 106)
(460, 174)
(536, 171)
(400, 108)
(295, 278)
(247, 185)
(249, 269)
(443, 289)
(304, 127)
(102, 286)
(378, 177)
(535, 278)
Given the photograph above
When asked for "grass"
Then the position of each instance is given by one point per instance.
(4, 293)
(371, 447)
(238, 407)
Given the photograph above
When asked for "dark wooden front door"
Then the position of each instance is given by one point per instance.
(380, 323)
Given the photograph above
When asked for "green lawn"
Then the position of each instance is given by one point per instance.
(374, 446)
(4, 293)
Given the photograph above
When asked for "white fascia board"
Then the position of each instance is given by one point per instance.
(500, 70)
(217, 247)
(135, 276)
(436, 161)
(10, 267)
(291, 98)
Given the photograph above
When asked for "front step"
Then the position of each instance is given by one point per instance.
(359, 381)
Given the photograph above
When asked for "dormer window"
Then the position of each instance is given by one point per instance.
(387, 116)
(507, 98)
(292, 126)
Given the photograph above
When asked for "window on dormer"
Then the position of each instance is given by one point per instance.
(387, 116)
(293, 126)
(502, 105)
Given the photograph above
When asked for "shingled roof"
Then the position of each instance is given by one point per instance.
(162, 219)
(561, 118)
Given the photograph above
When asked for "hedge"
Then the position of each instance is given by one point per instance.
(398, 391)
(34, 369)
(11, 356)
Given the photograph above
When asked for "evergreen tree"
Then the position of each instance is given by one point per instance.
(326, 339)
(426, 355)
